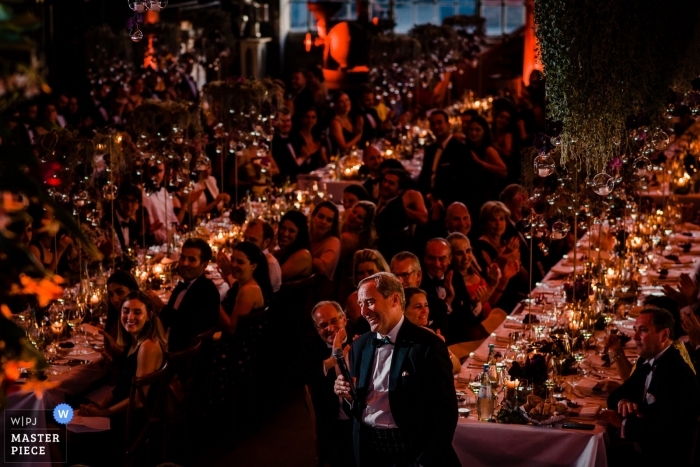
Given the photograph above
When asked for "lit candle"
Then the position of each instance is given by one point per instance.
(94, 300)
(158, 269)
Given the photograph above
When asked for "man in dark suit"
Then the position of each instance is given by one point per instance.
(658, 405)
(283, 152)
(317, 368)
(371, 160)
(446, 167)
(302, 97)
(391, 220)
(124, 224)
(372, 123)
(406, 266)
(193, 307)
(406, 411)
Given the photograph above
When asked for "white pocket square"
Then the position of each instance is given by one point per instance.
(405, 373)
(650, 398)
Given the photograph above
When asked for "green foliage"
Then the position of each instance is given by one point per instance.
(607, 61)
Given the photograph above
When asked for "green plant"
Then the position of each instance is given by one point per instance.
(608, 61)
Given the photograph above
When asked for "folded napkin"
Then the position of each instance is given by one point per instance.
(564, 269)
(587, 383)
(590, 410)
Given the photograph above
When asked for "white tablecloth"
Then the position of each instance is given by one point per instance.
(495, 444)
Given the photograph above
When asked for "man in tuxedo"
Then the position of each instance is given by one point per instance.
(317, 368)
(406, 411)
(283, 152)
(372, 123)
(125, 226)
(371, 160)
(406, 267)
(391, 219)
(445, 166)
(658, 405)
(302, 97)
(193, 307)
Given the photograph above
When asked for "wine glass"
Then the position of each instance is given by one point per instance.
(36, 336)
(75, 316)
(56, 317)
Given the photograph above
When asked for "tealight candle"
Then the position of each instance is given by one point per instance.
(158, 269)
(94, 300)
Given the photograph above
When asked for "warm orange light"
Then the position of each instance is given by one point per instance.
(149, 59)
(375, 21)
(308, 42)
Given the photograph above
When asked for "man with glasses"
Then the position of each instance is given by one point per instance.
(317, 368)
(406, 266)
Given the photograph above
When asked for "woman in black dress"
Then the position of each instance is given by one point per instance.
(346, 131)
(308, 145)
(492, 170)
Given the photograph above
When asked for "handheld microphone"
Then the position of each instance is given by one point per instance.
(340, 358)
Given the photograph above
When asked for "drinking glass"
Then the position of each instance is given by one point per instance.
(36, 336)
(74, 316)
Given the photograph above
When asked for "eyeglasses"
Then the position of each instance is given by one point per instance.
(332, 322)
(404, 275)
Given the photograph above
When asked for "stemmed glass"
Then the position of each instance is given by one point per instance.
(74, 316)
(36, 335)
(56, 317)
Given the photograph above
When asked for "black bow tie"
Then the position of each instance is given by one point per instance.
(437, 282)
(380, 342)
(644, 369)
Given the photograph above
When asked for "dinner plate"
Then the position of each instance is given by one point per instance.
(77, 352)
(56, 370)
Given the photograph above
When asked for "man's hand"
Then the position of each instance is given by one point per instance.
(342, 388)
(339, 338)
(626, 408)
(612, 417)
(436, 208)
(691, 325)
(689, 288)
(493, 274)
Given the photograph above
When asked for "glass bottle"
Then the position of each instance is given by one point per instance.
(484, 405)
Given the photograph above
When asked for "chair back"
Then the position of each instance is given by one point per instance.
(184, 365)
(148, 393)
(312, 413)
(205, 338)
(493, 320)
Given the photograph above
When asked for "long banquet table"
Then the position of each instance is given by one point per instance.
(493, 444)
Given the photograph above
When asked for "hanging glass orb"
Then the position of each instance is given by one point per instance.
(560, 230)
(109, 191)
(555, 140)
(659, 140)
(201, 163)
(81, 198)
(641, 166)
(137, 5)
(136, 35)
(603, 184)
(544, 165)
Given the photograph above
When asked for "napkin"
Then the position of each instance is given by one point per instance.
(588, 384)
(590, 410)
(81, 424)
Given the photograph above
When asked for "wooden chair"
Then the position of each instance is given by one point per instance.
(205, 337)
(494, 319)
(153, 409)
(312, 413)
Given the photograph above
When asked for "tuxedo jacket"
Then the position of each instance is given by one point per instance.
(421, 393)
(198, 312)
(452, 177)
(134, 231)
(670, 410)
(283, 156)
(369, 133)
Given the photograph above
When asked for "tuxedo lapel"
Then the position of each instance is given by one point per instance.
(366, 366)
(401, 349)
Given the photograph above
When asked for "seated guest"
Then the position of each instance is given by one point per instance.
(206, 197)
(125, 226)
(357, 233)
(43, 244)
(491, 171)
(484, 291)
(283, 152)
(417, 311)
(119, 285)
(317, 368)
(346, 131)
(406, 266)
(658, 406)
(302, 96)
(371, 161)
(193, 307)
(160, 206)
(391, 220)
(465, 118)
(457, 219)
(260, 233)
(506, 140)
(412, 199)
(372, 124)
(312, 154)
(140, 335)
(325, 238)
(514, 197)
(493, 247)
(352, 194)
(293, 254)
(365, 263)
(251, 292)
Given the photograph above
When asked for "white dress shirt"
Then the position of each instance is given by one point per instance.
(378, 412)
(156, 204)
(182, 294)
(275, 271)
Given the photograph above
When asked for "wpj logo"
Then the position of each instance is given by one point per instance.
(36, 435)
